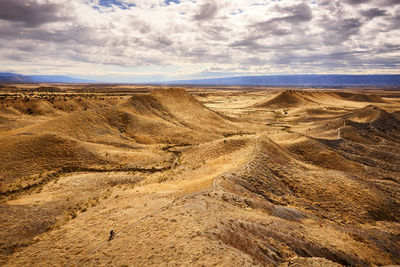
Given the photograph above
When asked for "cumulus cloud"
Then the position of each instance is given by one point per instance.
(188, 38)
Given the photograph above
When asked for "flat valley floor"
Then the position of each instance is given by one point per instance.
(198, 176)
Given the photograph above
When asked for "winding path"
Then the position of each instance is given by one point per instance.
(212, 188)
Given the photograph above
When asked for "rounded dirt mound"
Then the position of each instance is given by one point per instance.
(26, 106)
(366, 114)
(376, 117)
(176, 106)
(285, 99)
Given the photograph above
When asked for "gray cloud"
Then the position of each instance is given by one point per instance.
(359, 59)
(388, 2)
(164, 40)
(357, 2)
(377, 2)
(29, 12)
(292, 17)
(374, 12)
(248, 43)
(298, 13)
(76, 34)
(216, 32)
(207, 11)
(338, 31)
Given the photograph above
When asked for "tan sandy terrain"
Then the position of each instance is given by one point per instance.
(198, 176)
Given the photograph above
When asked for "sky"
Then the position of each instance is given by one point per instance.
(160, 40)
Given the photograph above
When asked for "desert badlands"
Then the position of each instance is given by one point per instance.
(198, 176)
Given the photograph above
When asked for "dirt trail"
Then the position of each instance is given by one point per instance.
(253, 156)
(212, 188)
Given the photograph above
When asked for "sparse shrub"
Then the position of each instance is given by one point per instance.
(162, 179)
(73, 214)
(94, 201)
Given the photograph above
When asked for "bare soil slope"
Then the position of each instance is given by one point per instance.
(161, 116)
(27, 159)
(358, 97)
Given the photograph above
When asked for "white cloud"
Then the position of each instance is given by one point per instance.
(195, 38)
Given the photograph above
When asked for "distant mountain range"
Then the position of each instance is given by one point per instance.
(298, 80)
(328, 80)
(7, 77)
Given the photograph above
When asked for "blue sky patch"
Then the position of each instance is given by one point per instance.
(110, 3)
(172, 1)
